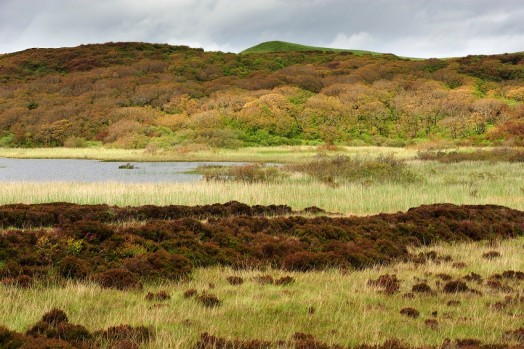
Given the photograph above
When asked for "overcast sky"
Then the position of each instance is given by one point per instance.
(416, 28)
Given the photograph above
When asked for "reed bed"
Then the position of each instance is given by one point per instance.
(459, 183)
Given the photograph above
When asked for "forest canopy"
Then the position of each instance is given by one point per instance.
(137, 95)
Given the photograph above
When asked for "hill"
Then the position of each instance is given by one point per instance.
(136, 95)
(282, 46)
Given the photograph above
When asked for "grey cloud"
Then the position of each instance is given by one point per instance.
(421, 28)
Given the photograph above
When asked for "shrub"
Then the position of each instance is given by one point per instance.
(388, 283)
(285, 280)
(159, 296)
(305, 261)
(491, 255)
(159, 265)
(421, 288)
(120, 279)
(55, 317)
(190, 293)
(235, 280)
(73, 268)
(208, 300)
(264, 279)
(432, 323)
(22, 281)
(410, 312)
(455, 286)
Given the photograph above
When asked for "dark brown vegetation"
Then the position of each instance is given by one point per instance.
(456, 286)
(139, 95)
(389, 284)
(235, 280)
(208, 300)
(55, 331)
(307, 341)
(410, 312)
(158, 296)
(421, 288)
(86, 243)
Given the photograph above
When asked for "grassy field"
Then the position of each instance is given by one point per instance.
(459, 183)
(346, 310)
(285, 154)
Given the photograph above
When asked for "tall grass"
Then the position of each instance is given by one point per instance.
(254, 154)
(461, 183)
(347, 310)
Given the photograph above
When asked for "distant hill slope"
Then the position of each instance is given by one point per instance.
(137, 95)
(282, 46)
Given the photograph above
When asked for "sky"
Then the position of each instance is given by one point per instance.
(414, 28)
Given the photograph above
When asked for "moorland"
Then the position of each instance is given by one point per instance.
(380, 203)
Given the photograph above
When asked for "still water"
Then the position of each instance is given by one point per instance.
(67, 170)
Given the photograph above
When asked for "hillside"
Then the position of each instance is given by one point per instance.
(136, 95)
(282, 46)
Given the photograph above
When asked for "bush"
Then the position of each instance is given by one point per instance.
(208, 300)
(159, 265)
(159, 296)
(410, 312)
(120, 279)
(388, 283)
(73, 268)
(421, 288)
(235, 280)
(455, 287)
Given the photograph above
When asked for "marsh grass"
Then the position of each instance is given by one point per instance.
(347, 310)
(459, 183)
(284, 154)
(491, 155)
(339, 169)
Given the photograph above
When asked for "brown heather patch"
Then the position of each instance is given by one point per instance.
(264, 279)
(120, 279)
(54, 331)
(158, 296)
(235, 280)
(432, 323)
(491, 255)
(459, 265)
(208, 300)
(517, 335)
(473, 277)
(389, 284)
(172, 242)
(285, 280)
(421, 288)
(456, 286)
(410, 312)
(190, 293)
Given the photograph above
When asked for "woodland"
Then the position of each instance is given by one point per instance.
(157, 96)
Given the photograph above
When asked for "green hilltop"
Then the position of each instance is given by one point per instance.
(282, 46)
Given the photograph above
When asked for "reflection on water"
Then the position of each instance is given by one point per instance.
(67, 170)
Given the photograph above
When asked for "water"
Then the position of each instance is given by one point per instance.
(67, 170)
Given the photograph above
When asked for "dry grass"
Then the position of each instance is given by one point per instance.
(254, 154)
(347, 310)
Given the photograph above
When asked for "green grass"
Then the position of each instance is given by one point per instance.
(282, 46)
(348, 311)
